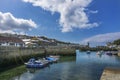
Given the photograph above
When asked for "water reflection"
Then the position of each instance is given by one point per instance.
(82, 67)
(31, 70)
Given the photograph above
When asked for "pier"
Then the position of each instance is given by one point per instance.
(111, 74)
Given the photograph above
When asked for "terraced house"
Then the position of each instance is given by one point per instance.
(11, 41)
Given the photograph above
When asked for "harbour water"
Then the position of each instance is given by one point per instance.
(82, 67)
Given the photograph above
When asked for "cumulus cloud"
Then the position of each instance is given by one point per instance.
(72, 12)
(10, 24)
(102, 38)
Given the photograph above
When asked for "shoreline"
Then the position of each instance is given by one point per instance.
(15, 56)
(19, 69)
(111, 74)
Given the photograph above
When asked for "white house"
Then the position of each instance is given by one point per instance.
(26, 41)
(11, 41)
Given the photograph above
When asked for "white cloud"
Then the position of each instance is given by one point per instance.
(72, 12)
(102, 38)
(94, 12)
(10, 24)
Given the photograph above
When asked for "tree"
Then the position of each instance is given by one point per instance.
(116, 42)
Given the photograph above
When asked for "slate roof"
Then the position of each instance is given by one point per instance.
(10, 39)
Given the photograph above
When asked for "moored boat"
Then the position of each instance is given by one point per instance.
(43, 61)
(88, 52)
(109, 53)
(99, 53)
(40, 63)
(52, 58)
(32, 63)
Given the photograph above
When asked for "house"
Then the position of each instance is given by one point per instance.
(30, 42)
(11, 41)
(26, 41)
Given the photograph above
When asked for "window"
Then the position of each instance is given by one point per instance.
(12, 44)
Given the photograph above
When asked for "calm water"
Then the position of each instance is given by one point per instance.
(82, 67)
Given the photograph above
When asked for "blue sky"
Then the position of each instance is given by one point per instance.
(79, 21)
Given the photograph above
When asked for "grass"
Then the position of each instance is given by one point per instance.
(6, 75)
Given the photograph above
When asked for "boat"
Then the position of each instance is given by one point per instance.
(88, 52)
(114, 52)
(109, 53)
(102, 51)
(52, 58)
(32, 63)
(43, 61)
(40, 63)
(98, 53)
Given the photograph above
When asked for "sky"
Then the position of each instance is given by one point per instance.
(77, 21)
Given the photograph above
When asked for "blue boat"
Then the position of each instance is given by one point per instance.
(52, 58)
(33, 64)
(88, 52)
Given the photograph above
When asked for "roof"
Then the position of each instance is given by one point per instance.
(10, 39)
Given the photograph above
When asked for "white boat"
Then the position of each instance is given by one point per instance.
(57, 56)
(88, 52)
(43, 61)
(99, 53)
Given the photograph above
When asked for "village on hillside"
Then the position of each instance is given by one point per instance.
(30, 41)
(15, 40)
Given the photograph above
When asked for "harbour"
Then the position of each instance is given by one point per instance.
(83, 66)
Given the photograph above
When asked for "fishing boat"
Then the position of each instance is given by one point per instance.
(32, 63)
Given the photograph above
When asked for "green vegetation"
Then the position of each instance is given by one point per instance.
(98, 49)
(116, 42)
(6, 75)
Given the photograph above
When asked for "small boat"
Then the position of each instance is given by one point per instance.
(102, 51)
(88, 52)
(52, 58)
(98, 53)
(55, 56)
(114, 52)
(109, 53)
(33, 64)
(43, 61)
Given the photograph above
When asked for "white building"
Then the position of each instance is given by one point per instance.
(26, 41)
(11, 41)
